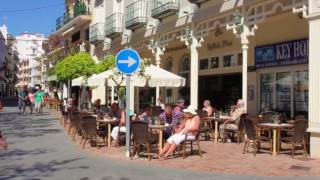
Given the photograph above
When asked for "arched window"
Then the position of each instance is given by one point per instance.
(168, 64)
(185, 68)
(185, 72)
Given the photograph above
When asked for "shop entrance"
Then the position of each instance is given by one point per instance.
(222, 90)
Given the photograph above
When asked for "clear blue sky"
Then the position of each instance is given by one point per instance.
(18, 17)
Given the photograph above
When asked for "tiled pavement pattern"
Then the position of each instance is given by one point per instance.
(40, 149)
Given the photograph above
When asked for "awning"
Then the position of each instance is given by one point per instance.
(158, 77)
(78, 81)
(52, 78)
(99, 79)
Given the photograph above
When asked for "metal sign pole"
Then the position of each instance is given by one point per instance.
(128, 135)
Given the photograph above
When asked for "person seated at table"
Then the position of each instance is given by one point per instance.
(97, 106)
(232, 123)
(161, 104)
(170, 117)
(145, 116)
(179, 106)
(208, 108)
(118, 114)
(188, 128)
(70, 107)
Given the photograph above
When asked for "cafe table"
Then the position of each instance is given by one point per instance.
(276, 132)
(159, 129)
(109, 122)
(216, 121)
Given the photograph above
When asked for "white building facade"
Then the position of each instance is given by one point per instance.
(29, 48)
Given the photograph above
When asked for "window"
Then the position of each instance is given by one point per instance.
(286, 92)
(204, 64)
(185, 72)
(168, 64)
(214, 62)
(229, 60)
(240, 59)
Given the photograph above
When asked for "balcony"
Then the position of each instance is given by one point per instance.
(197, 1)
(136, 15)
(96, 33)
(80, 16)
(163, 9)
(114, 25)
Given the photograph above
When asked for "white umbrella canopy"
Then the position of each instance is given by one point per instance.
(99, 79)
(162, 78)
(78, 81)
(158, 77)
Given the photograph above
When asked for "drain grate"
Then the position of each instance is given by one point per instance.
(303, 168)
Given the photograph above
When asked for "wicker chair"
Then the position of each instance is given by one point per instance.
(249, 130)
(187, 142)
(72, 118)
(141, 136)
(206, 126)
(90, 132)
(298, 137)
(77, 125)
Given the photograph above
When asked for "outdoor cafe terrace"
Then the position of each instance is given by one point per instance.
(216, 156)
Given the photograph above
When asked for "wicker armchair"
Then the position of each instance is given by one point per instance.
(249, 130)
(141, 137)
(90, 132)
(187, 142)
(298, 137)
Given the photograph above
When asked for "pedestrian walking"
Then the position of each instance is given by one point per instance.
(31, 100)
(39, 100)
(22, 100)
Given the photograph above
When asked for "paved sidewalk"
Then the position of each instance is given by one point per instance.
(39, 149)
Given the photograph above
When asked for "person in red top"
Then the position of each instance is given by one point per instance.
(188, 128)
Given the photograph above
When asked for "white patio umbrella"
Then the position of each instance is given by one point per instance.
(158, 77)
(99, 79)
(78, 81)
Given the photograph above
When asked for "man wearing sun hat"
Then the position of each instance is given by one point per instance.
(189, 127)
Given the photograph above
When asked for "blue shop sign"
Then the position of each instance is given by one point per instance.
(282, 54)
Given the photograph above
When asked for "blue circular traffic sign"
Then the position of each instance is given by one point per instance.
(128, 61)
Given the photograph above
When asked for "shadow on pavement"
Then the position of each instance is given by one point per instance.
(38, 170)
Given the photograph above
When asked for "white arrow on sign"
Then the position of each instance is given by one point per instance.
(129, 61)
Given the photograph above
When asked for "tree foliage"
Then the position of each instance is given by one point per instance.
(80, 64)
(106, 64)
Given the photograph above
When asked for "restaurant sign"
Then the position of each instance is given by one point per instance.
(281, 54)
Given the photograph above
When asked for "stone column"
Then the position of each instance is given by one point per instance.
(314, 85)
(193, 43)
(194, 73)
(242, 31)
(157, 51)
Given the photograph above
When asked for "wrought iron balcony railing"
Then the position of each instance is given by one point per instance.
(136, 15)
(113, 25)
(96, 33)
(80, 8)
(165, 8)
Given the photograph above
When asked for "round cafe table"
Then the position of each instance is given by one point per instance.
(276, 131)
(216, 121)
(159, 129)
(109, 122)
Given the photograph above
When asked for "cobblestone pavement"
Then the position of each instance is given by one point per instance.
(39, 149)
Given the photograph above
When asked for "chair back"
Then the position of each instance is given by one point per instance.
(248, 127)
(203, 114)
(73, 116)
(139, 132)
(300, 128)
(300, 117)
(89, 124)
(76, 119)
(269, 116)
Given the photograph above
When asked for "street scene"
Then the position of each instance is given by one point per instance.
(159, 89)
